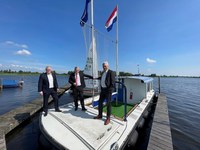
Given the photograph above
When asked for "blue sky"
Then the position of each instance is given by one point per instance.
(161, 36)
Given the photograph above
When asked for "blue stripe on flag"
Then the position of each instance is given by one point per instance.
(84, 16)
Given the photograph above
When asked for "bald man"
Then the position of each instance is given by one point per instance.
(77, 81)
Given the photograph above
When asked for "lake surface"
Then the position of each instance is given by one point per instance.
(183, 95)
(11, 98)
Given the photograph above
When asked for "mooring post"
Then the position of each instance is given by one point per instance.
(159, 84)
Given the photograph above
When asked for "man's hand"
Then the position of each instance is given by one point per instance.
(74, 84)
(41, 93)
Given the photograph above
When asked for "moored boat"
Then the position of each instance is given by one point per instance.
(78, 130)
(5, 83)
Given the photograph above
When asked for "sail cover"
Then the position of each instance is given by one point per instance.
(91, 67)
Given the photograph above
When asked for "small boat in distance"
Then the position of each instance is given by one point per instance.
(7, 83)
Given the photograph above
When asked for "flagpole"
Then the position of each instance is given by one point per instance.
(117, 44)
(92, 24)
(117, 74)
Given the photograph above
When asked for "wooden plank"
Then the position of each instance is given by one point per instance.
(2, 141)
(160, 136)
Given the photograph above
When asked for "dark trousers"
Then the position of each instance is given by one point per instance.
(78, 94)
(46, 95)
(105, 94)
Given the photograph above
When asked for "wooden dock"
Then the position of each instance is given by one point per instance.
(14, 118)
(160, 136)
(2, 141)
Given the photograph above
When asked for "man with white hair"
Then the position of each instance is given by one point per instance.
(77, 81)
(48, 85)
(107, 85)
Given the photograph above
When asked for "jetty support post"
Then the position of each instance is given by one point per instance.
(159, 84)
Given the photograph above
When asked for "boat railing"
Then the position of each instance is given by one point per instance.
(125, 101)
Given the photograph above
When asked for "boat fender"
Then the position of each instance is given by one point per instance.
(149, 108)
(146, 114)
(133, 139)
(155, 98)
(114, 146)
(141, 124)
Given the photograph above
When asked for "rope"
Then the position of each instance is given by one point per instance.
(85, 40)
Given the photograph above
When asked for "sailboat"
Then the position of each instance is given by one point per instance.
(78, 130)
(91, 68)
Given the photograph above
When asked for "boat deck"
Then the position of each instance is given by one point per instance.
(160, 137)
(92, 132)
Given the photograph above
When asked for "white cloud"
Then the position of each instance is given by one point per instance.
(11, 43)
(151, 61)
(23, 52)
(1, 65)
(24, 46)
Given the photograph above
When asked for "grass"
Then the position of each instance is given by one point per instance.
(118, 110)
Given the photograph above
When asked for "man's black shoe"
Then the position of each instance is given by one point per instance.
(45, 114)
(84, 109)
(58, 110)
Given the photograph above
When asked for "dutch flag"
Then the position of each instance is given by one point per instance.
(111, 20)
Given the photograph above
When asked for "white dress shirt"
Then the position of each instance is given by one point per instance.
(78, 80)
(103, 79)
(50, 78)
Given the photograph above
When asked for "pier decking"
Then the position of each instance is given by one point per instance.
(160, 138)
(14, 118)
(2, 141)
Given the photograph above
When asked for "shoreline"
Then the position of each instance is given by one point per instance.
(35, 74)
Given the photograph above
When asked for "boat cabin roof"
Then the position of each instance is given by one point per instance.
(142, 78)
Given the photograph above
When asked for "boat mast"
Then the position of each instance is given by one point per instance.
(93, 44)
(117, 73)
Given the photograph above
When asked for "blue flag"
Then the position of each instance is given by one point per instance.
(84, 17)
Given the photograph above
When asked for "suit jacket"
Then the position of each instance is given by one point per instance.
(72, 79)
(110, 79)
(43, 83)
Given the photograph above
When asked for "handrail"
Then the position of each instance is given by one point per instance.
(125, 102)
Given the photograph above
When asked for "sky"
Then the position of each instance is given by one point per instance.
(155, 36)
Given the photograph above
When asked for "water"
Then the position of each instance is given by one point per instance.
(183, 95)
(14, 97)
(183, 103)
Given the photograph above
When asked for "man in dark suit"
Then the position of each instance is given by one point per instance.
(77, 81)
(47, 85)
(107, 85)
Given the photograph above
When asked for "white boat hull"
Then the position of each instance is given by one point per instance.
(78, 130)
